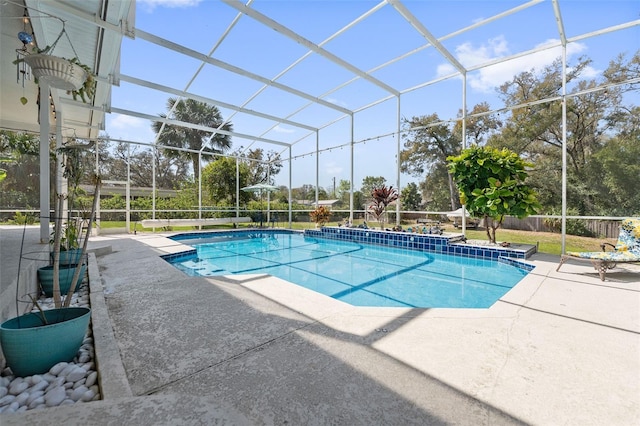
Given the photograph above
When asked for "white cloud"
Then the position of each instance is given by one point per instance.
(337, 102)
(129, 128)
(470, 55)
(281, 129)
(332, 168)
(488, 78)
(150, 5)
(589, 72)
(120, 121)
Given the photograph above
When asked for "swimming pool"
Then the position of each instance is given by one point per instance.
(355, 273)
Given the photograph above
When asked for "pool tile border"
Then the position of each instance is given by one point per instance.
(445, 244)
(189, 254)
(174, 257)
(517, 263)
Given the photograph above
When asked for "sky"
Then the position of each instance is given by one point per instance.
(248, 48)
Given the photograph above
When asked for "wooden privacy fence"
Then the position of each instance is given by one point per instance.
(599, 228)
(535, 224)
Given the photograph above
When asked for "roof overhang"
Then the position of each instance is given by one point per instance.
(93, 33)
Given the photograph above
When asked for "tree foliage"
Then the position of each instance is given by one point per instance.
(196, 140)
(492, 184)
(593, 116)
(219, 178)
(479, 126)
(602, 146)
(19, 158)
(170, 172)
(428, 143)
(263, 166)
(602, 132)
(370, 183)
(616, 169)
(410, 197)
(342, 193)
(307, 192)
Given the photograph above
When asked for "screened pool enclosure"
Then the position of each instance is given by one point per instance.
(325, 91)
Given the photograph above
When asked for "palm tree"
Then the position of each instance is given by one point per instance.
(195, 112)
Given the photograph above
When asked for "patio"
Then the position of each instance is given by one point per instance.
(560, 348)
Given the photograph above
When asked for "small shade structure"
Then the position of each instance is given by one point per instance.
(456, 216)
(458, 213)
(262, 188)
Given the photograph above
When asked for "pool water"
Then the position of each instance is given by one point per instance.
(358, 274)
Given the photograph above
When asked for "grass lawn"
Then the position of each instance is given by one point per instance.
(547, 242)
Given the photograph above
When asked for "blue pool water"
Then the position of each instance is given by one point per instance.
(358, 274)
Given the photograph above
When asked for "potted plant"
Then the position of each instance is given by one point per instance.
(32, 343)
(70, 256)
(382, 197)
(320, 216)
(62, 73)
(69, 243)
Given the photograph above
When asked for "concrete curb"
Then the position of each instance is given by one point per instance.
(107, 356)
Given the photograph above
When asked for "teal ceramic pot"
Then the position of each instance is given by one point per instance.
(33, 348)
(45, 276)
(68, 257)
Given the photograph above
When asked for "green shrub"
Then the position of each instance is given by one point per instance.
(574, 226)
(23, 218)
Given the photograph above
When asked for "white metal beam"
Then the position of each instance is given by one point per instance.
(265, 20)
(427, 45)
(45, 210)
(237, 70)
(306, 55)
(559, 22)
(415, 23)
(607, 30)
(177, 92)
(192, 126)
(555, 45)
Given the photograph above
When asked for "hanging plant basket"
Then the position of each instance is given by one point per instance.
(58, 72)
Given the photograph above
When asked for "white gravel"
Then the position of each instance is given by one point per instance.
(65, 383)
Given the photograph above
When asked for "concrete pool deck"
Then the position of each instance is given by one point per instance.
(560, 348)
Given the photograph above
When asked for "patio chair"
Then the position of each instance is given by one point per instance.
(257, 220)
(626, 249)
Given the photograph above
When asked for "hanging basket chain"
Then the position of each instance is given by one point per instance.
(75, 54)
(49, 49)
(62, 73)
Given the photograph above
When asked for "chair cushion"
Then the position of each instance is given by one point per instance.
(629, 238)
(611, 256)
